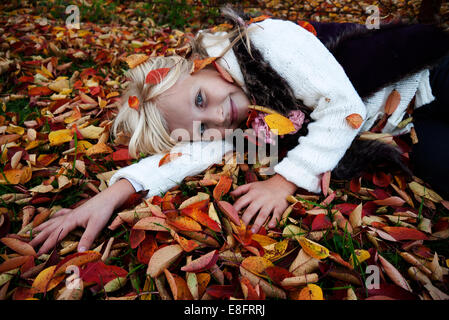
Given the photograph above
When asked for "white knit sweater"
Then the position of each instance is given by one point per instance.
(319, 81)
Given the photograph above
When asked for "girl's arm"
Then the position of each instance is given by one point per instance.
(321, 83)
(196, 157)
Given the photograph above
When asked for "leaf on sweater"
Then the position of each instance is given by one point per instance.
(169, 157)
(156, 76)
(279, 124)
(392, 102)
(354, 120)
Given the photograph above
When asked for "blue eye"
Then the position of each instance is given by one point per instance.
(199, 99)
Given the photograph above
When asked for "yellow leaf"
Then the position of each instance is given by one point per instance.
(44, 281)
(59, 137)
(91, 132)
(360, 256)
(313, 249)
(83, 145)
(311, 292)
(98, 148)
(278, 122)
(263, 240)
(15, 129)
(276, 250)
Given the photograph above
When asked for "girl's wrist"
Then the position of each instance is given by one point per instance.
(291, 187)
(118, 193)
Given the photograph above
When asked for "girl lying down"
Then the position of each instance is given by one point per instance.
(315, 80)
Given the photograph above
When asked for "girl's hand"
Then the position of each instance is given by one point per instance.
(92, 215)
(268, 196)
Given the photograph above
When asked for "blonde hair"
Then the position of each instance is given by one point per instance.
(147, 126)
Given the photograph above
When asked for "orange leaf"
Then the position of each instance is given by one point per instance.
(257, 265)
(156, 76)
(133, 103)
(354, 120)
(186, 244)
(39, 91)
(134, 60)
(19, 246)
(202, 218)
(311, 292)
(178, 286)
(203, 280)
(308, 26)
(13, 263)
(259, 18)
(200, 64)
(392, 102)
(404, 233)
(223, 186)
(183, 223)
(169, 157)
(77, 259)
(223, 72)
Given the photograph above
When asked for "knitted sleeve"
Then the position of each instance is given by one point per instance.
(321, 83)
(196, 157)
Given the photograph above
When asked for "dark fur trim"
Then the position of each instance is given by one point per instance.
(367, 155)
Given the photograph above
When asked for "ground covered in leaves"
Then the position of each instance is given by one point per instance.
(377, 237)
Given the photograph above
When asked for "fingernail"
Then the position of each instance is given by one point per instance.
(82, 249)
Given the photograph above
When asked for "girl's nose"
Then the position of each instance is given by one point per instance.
(216, 116)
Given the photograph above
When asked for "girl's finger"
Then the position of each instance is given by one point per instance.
(275, 219)
(47, 224)
(240, 190)
(89, 236)
(242, 202)
(58, 234)
(260, 220)
(42, 236)
(250, 212)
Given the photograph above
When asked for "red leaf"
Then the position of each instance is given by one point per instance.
(146, 249)
(101, 273)
(403, 233)
(354, 185)
(346, 208)
(321, 222)
(381, 179)
(156, 76)
(136, 237)
(277, 274)
(221, 291)
(121, 155)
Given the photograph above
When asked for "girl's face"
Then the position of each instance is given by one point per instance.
(202, 101)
